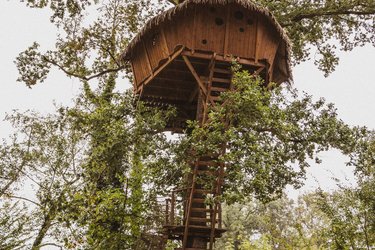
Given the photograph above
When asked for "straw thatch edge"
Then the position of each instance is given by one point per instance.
(167, 15)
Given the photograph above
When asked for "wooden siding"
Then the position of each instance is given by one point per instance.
(210, 31)
(179, 30)
(139, 62)
(242, 32)
(267, 41)
(156, 48)
(231, 30)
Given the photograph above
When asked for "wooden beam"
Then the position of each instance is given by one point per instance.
(167, 87)
(167, 79)
(211, 68)
(257, 72)
(197, 78)
(157, 72)
(243, 61)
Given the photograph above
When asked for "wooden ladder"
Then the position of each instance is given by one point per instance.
(198, 214)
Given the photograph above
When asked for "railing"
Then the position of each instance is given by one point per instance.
(174, 213)
(175, 206)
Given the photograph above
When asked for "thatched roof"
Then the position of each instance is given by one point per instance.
(167, 15)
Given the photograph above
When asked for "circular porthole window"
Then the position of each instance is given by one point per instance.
(204, 41)
(238, 15)
(242, 30)
(219, 21)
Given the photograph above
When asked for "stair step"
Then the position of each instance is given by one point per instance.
(223, 80)
(208, 163)
(215, 98)
(223, 71)
(219, 89)
(198, 219)
(199, 209)
(207, 172)
(198, 200)
(204, 191)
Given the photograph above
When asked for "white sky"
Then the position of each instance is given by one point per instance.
(350, 87)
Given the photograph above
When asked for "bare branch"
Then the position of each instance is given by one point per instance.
(105, 72)
(299, 17)
(25, 199)
(51, 244)
(85, 78)
(63, 69)
(326, 13)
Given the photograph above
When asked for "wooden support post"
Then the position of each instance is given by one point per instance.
(189, 206)
(167, 211)
(173, 208)
(197, 78)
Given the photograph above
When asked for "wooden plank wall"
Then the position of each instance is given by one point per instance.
(210, 29)
(268, 41)
(179, 31)
(139, 63)
(156, 47)
(242, 32)
(231, 29)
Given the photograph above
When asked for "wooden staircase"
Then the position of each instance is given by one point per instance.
(203, 209)
(202, 223)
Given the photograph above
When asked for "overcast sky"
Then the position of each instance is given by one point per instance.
(350, 87)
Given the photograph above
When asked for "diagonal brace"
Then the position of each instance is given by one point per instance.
(197, 78)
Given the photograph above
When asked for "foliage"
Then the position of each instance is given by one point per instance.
(86, 196)
(325, 26)
(13, 226)
(319, 220)
(270, 136)
(97, 168)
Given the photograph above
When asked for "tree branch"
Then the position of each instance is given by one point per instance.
(25, 199)
(299, 17)
(325, 13)
(105, 72)
(51, 244)
(85, 78)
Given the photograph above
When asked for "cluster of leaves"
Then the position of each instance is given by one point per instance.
(270, 137)
(88, 166)
(318, 220)
(90, 39)
(326, 26)
(13, 226)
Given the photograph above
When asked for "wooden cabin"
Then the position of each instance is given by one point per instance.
(203, 30)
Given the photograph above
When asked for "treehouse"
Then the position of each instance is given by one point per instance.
(179, 51)
(183, 58)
